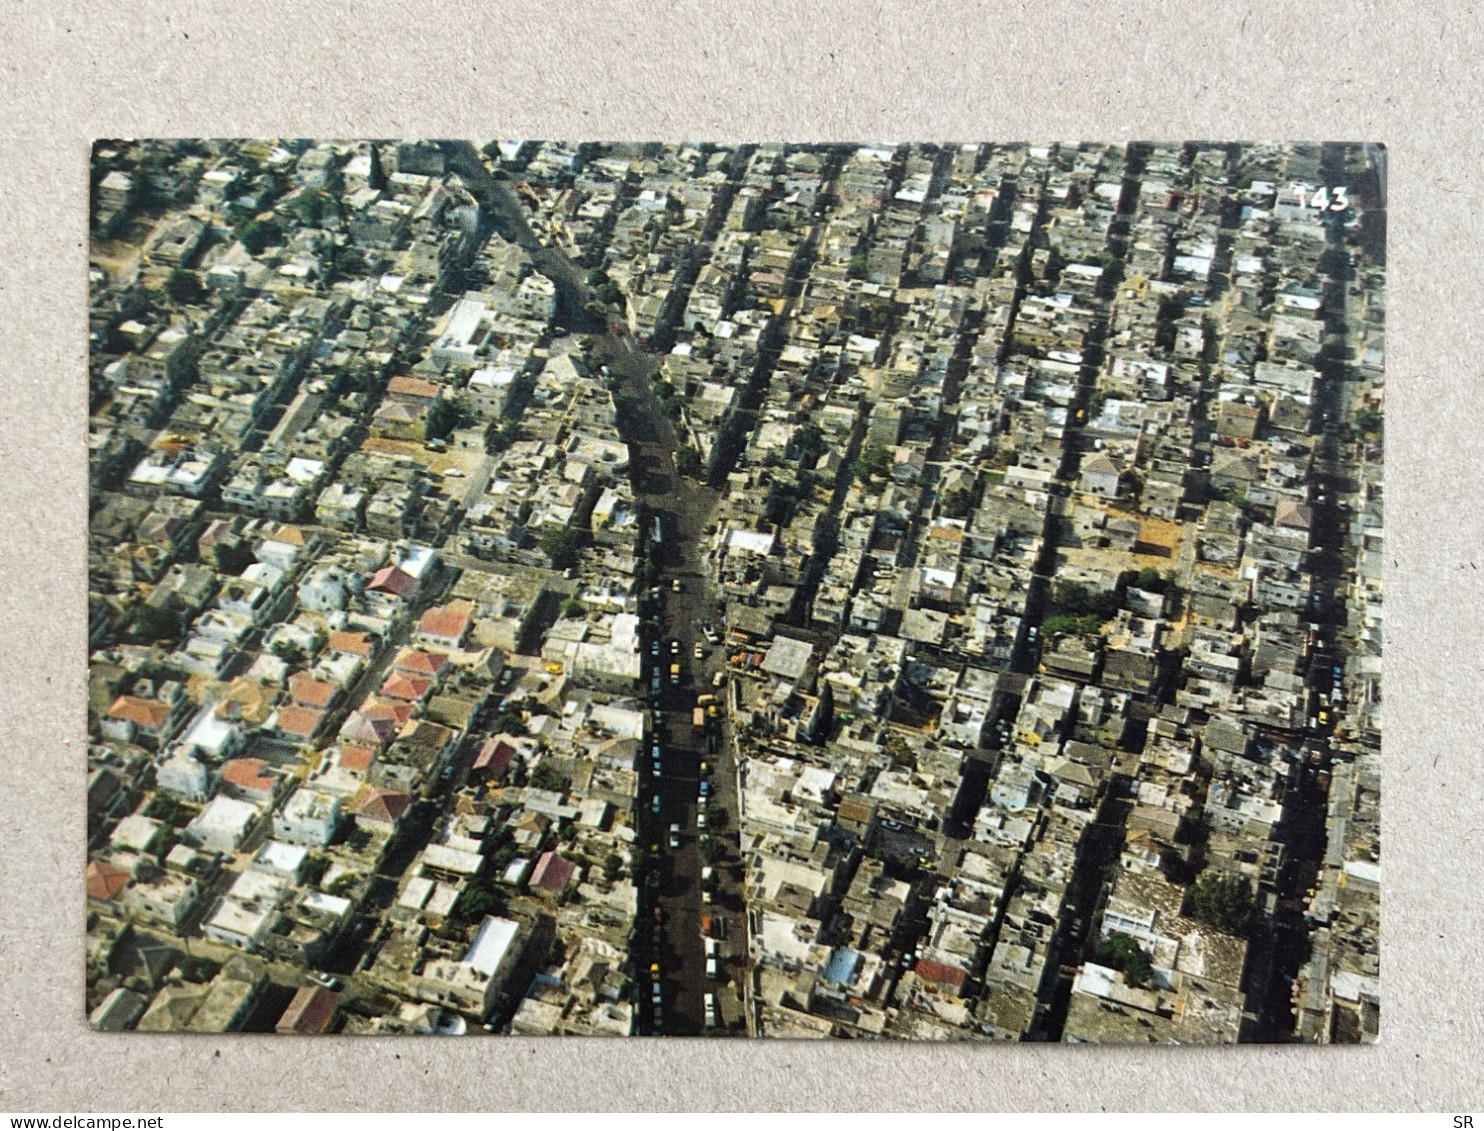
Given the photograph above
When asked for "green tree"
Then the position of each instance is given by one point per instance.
(1122, 952)
(343, 884)
(1078, 600)
(858, 265)
(1150, 580)
(612, 867)
(198, 970)
(545, 776)
(475, 902)
(184, 287)
(1369, 421)
(259, 235)
(956, 503)
(572, 607)
(710, 849)
(502, 437)
(1222, 900)
(560, 544)
(310, 207)
(900, 751)
(875, 461)
(156, 623)
(315, 866)
(639, 861)
(290, 653)
(687, 460)
(443, 417)
(509, 721)
(377, 177)
(716, 817)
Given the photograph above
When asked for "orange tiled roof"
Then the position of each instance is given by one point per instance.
(105, 882)
(249, 774)
(357, 756)
(310, 692)
(352, 643)
(390, 579)
(449, 622)
(399, 685)
(300, 722)
(386, 805)
(419, 661)
(148, 714)
(393, 711)
(414, 387)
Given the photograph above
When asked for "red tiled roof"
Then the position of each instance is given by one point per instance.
(147, 714)
(249, 774)
(409, 687)
(310, 692)
(494, 757)
(448, 622)
(352, 643)
(419, 661)
(414, 387)
(941, 973)
(392, 711)
(390, 579)
(299, 722)
(357, 756)
(105, 881)
(553, 872)
(383, 805)
(310, 1012)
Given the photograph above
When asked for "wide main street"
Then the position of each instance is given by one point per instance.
(668, 933)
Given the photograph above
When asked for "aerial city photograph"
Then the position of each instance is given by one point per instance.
(860, 590)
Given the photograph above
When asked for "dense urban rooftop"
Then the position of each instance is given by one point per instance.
(890, 591)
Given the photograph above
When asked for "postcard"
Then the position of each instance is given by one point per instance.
(862, 590)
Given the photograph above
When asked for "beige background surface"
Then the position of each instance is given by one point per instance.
(1318, 69)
